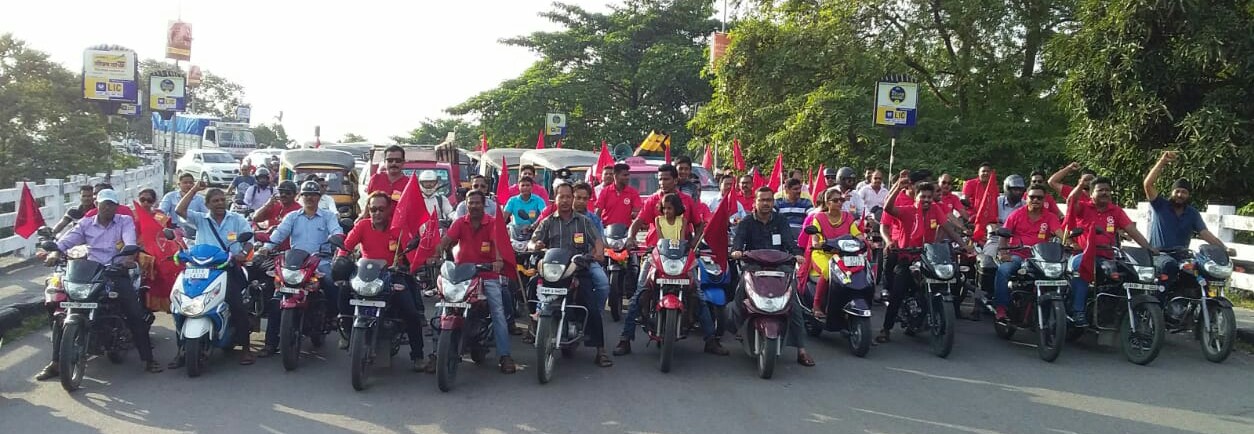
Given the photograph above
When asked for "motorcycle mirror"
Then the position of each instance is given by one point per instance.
(1004, 233)
(50, 246)
(413, 243)
(336, 240)
(44, 232)
(1099, 230)
(877, 209)
(74, 213)
(347, 223)
(168, 234)
(966, 202)
(811, 230)
(244, 237)
(1075, 232)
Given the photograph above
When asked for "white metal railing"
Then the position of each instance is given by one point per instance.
(58, 195)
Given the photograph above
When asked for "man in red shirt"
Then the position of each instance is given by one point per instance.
(974, 190)
(666, 177)
(920, 223)
(391, 182)
(746, 193)
(619, 203)
(378, 241)
(474, 234)
(1055, 182)
(122, 209)
(1101, 220)
(1028, 226)
(280, 205)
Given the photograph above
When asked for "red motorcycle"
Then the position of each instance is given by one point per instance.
(768, 277)
(302, 303)
(464, 320)
(670, 299)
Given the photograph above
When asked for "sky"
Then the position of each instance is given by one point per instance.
(373, 68)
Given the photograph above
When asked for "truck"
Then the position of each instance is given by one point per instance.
(202, 132)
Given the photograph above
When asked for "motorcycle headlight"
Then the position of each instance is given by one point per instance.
(293, 277)
(519, 246)
(1216, 270)
(454, 292)
(77, 291)
(1145, 274)
(1051, 270)
(552, 272)
(367, 289)
(849, 246)
(710, 266)
(673, 267)
(769, 304)
(193, 308)
(615, 243)
(944, 271)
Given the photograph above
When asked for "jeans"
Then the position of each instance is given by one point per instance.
(633, 312)
(493, 289)
(1079, 288)
(330, 292)
(593, 298)
(900, 282)
(1002, 295)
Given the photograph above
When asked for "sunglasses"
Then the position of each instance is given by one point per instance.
(837, 200)
(395, 160)
(146, 200)
(375, 209)
(1036, 197)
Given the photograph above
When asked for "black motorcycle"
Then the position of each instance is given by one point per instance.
(1124, 298)
(622, 268)
(562, 319)
(929, 306)
(1039, 294)
(1197, 302)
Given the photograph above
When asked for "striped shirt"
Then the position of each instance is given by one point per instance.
(794, 212)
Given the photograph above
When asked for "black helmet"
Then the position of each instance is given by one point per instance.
(829, 173)
(287, 187)
(310, 187)
(845, 172)
(262, 171)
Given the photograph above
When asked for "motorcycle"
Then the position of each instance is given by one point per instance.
(464, 321)
(768, 277)
(1206, 312)
(89, 321)
(1039, 294)
(929, 306)
(202, 317)
(242, 209)
(302, 304)
(1124, 299)
(669, 303)
(561, 319)
(621, 267)
(845, 307)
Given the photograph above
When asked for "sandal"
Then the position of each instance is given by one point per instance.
(805, 360)
(153, 367)
(267, 351)
(883, 338)
(247, 358)
(603, 360)
(507, 365)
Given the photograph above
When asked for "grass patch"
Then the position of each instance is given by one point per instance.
(1241, 298)
(29, 325)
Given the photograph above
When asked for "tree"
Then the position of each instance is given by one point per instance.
(353, 138)
(1147, 76)
(46, 129)
(271, 136)
(433, 132)
(616, 75)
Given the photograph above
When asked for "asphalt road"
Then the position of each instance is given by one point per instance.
(985, 386)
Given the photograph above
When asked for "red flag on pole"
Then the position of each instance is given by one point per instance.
(758, 181)
(502, 184)
(737, 156)
(819, 186)
(777, 173)
(667, 147)
(500, 234)
(559, 143)
(483, 142)
(29, 218)
(603, 160)
(985, 214)
(715, 233)
(540, 140)
(708, 161)
(413, 219)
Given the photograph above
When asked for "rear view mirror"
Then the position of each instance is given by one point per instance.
(244, 237)
(49, 246)
(413, 243)
(336, 240)
(966, 203)
(168, 234)
(1004, 233)
(1075, 232)
(346, 223)
(811, 230)
(129, 250)
(74, 213)
(45, 232)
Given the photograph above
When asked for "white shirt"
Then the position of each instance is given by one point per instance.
(854, 204)
(438, 205)
(255, 198)
(871, 198)
(328, 203)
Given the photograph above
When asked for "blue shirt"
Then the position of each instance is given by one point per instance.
(233, 225)
(596, 222)
(171, 201)
(308, 233)
(1168, 229)
(524, 212)
(795, 212)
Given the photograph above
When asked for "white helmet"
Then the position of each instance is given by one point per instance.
(427, 176)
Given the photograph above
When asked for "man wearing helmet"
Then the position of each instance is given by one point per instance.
(847, 179)
(1011, 198)
(308, 230)
(437, 204)
(278, 206)
(260, 193)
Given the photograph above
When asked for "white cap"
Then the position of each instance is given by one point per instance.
(107, 195)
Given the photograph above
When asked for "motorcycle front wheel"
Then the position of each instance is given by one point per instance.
(616, 295)
(859, 336)
(357, 351)
(447, 356)
(193, 348)
(941, 324)
(1142, 347)
(670, 328)
(1217, 340)
(289, 338)
(546, 343)
(1054, 333)
(768, 354)
(73, 355)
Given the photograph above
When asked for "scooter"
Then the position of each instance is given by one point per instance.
(202, 318)
(845, 306)
(768, 277)
(715, 282)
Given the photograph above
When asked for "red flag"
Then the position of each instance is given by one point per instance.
(708, 161)
(483, 142)
(29, 218)
(559, 143)
(737, 156)
(502, 184)
(715, 233)
(758, 182)
(540, 140)
(411, 208)
(819, 186)
(429, 234)
(985, 214)
(777, 173)
(502, 240)
(317, 142)
(604, 160)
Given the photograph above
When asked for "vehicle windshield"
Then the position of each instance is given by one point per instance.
(643, 182)
(335, 179)
(216, 157)
(81, 270)
(441, 174)
(237, 139)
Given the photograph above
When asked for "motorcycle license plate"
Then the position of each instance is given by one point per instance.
(76, 305)
(287, 290)
(853, 261)
(673, 282)
(551, 291)
(370, 303)
(1052, 283)
(196, 273)
(457, 305)
(1141, 286)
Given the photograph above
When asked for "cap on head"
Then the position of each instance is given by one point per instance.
(1182, 183)
(107, 195)
(829, 173)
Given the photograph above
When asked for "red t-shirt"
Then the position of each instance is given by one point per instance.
(477, 246)
(1088, 217)
(1051, 205)
(615, 207)
(273, 214)
(747, 200)
(975, 191)
(920, 226)
(375, 244)
(652, 209)
(1028, 232)
(896, 233)
(380, 182)
(950, 201)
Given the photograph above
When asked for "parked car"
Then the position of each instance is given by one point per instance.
(218, 168)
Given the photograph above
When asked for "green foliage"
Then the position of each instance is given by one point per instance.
(616, 75)
(1145, 76)
(271, 136)
(46, 129)
(433, 132)
(214, 96)
(352, 138)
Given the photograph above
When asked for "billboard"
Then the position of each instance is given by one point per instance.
(109, 75)
(167, 93)
(896, 104)
(178, 41)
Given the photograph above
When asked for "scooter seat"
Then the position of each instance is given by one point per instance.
(768, 257)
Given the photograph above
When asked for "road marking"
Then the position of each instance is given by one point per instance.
(339, 421)
(928, 422)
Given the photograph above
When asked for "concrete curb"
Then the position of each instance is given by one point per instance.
(17, 265)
